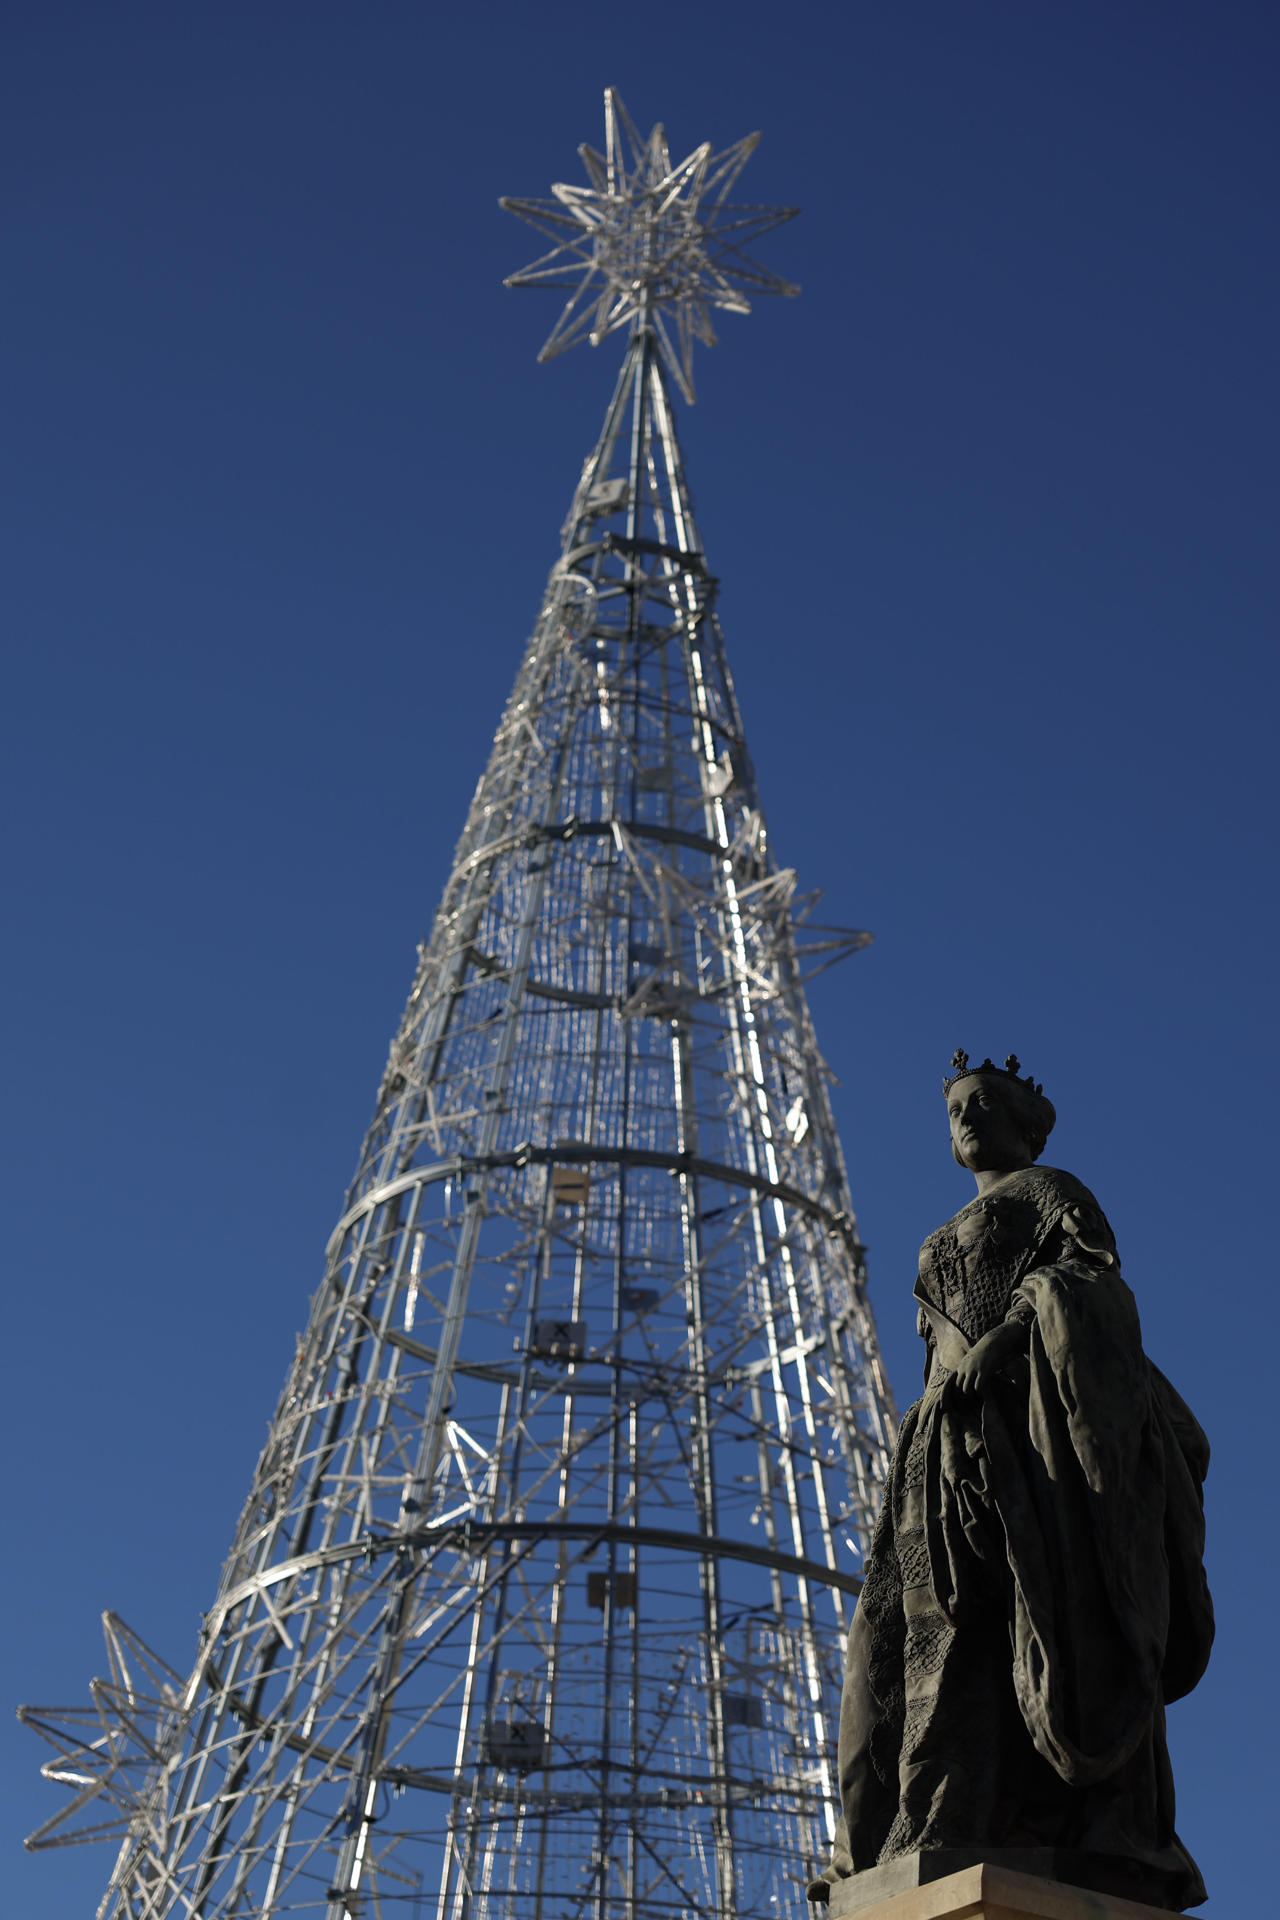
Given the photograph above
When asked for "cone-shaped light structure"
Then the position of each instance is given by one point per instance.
(536, 1604)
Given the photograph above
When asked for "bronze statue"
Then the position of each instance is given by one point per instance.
(1035, 1591)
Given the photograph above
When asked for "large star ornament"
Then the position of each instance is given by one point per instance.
(650, 243)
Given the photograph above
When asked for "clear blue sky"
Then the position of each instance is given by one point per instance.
(994, 508)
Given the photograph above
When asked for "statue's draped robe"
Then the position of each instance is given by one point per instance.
(1035, 1590)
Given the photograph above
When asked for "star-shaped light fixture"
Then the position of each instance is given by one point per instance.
(649, 243)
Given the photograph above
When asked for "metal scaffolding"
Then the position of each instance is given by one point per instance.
(536, 1605)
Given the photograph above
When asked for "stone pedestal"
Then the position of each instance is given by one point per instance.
(907, 1889)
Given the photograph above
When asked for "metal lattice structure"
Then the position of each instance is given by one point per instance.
(536, 1605)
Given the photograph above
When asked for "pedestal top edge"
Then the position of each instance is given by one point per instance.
(986, 1887)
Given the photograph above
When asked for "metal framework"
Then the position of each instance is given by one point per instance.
(536, 1605)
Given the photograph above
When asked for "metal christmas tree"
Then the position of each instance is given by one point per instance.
(536, 1604)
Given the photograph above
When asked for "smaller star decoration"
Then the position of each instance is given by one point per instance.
(649, 243)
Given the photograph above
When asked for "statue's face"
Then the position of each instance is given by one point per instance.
(986, 1134)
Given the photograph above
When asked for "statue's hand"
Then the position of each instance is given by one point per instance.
(983, 1362)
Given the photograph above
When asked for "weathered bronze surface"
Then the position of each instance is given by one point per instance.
(1035, 1591)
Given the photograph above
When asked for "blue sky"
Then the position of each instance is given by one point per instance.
(993, 506)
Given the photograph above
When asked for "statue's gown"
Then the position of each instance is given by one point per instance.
(1035, 1590)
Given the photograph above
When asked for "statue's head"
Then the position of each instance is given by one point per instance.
(998, 1122)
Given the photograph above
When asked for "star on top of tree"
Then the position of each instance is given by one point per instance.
(649, 243)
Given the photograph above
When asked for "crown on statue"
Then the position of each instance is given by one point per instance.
(1009, 1071)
